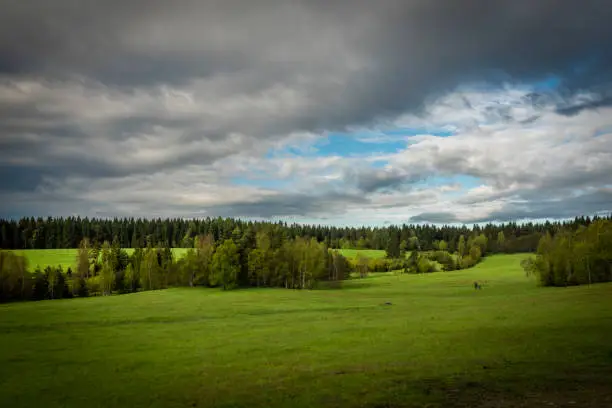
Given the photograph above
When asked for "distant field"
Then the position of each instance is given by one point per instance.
(439, 344)
(49, 257)
(65, 257)
(368, 253)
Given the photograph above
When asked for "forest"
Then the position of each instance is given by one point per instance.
(231, 253)
(55, 233)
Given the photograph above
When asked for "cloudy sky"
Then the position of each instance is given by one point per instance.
(327, 111)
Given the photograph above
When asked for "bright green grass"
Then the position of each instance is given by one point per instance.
(65, 257)
(440, 342)
(368, 253)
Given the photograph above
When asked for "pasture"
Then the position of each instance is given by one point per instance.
(439, 344)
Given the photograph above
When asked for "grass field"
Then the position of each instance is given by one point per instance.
(440, 344)
(65, 257)
(368, 253)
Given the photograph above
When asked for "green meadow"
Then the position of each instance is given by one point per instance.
(440, 343)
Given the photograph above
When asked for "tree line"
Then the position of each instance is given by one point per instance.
(574, 257)
(57, 233)
(244, 260)
(266, 258)
(230, 253)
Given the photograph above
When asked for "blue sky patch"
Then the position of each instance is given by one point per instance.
(418, 131)
(358, 144)
(342, 144)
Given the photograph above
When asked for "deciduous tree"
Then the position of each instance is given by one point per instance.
(225, 265)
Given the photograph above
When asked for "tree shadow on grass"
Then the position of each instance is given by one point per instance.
(501, 392)
(363, 284)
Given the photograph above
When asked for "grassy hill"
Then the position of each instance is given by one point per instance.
(440, 343)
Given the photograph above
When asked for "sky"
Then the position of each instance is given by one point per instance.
(331, 112)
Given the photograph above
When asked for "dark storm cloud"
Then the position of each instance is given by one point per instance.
(415, 47)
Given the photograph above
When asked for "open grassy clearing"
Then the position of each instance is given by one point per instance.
(440, 343)
(65, 257)
(367, 253)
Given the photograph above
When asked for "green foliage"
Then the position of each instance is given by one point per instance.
(361, 243)
(501, 241)
(107, 273)
(65, 233)
(576, 257)
(40, 289)
(403, 248)
(15, 280)
(413, 242)
(81, 285)
(52, 280)
(259, 267)
(149, 269)
(461, 246)
(393, 249)
(424, 265)
(480, 242)
(198, 262)
(339, 267)
(442, 245)
(475, 253)
(467, 262)
(445, 259)
(225, 265)
(362, 266)
(82, 262)
(131, 278)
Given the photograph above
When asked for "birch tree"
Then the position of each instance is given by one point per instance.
(107, 273)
